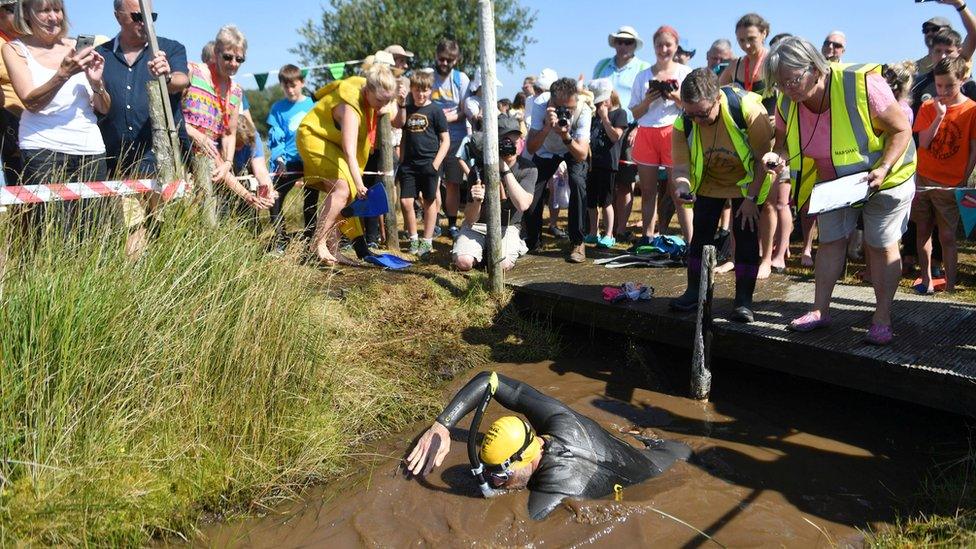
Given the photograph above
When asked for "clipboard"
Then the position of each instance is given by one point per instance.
(837, 194)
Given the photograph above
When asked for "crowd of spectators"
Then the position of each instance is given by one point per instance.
(732, 149)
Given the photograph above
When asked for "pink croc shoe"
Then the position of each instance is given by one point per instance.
(808, 322)
(879, 334)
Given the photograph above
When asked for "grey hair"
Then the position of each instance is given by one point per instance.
(700, 85)
(230, 36)
(837, 33)
(794, 53)
(721, 44)
(117, 5)
(207, 53)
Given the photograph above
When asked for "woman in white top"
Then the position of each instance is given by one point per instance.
(655, 110)
(61, 90)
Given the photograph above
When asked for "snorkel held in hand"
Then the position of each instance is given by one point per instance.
(477, 467)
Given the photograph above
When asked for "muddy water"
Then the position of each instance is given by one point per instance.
(778, 462)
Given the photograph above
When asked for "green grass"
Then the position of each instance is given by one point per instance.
(204, 379)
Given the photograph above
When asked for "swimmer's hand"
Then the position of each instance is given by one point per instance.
(431, 449)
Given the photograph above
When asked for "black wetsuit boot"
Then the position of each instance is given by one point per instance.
(745, 286)
(689, 300)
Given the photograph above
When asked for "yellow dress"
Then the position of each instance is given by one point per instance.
(319, 141)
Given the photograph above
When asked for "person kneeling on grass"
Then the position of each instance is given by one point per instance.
(518, 180)
(558, 453)
(717, 146)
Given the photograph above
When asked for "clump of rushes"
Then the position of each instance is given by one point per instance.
(203, 378)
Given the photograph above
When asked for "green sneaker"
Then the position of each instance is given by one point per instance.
(424, 249)
(591, 239)
(414, 246)
(606, 241)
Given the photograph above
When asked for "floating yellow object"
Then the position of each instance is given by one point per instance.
(618, 492)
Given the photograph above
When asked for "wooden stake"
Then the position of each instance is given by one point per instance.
(204, 190)
(701, 360)
(170, 139)
(489, 94)
(384, 134)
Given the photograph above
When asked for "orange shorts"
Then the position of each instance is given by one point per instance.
(652, 147)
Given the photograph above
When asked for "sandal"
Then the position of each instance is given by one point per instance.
(922, 289)
(879, 334)
(809, 322)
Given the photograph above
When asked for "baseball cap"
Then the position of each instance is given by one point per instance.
(626, 31)
(546, 78)
(395, 49)
(507, 124)
(940, 22)
(601, 89)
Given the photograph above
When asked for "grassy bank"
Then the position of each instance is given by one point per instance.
(136, 397)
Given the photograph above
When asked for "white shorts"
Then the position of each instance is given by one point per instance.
(885, 218)
(472, 240)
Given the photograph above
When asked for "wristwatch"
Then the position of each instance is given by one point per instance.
(567, 141)
(169, 77)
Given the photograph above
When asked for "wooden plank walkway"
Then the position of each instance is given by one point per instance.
(932, 360)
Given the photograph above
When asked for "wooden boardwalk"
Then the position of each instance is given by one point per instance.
(932, 360)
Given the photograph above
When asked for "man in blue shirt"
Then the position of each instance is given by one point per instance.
(126, 129)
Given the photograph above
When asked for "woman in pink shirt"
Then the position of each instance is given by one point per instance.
(804, 76)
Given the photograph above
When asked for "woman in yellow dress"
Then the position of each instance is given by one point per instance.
(334, 140)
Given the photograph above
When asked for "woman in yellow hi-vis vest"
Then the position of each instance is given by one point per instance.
(834, 120)
(717, 146)
(334, 140)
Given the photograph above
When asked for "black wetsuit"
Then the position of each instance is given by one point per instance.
(580, 458)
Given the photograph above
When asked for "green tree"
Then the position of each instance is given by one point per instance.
(260, 102)
(353, 29)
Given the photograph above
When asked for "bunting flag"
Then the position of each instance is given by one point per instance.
(335, 71)
(966, 199)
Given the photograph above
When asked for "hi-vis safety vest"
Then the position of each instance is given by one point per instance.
(737, 105)
(854, 147)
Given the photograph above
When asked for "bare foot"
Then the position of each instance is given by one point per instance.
(725, 267)
(806, 260)
(764, 271)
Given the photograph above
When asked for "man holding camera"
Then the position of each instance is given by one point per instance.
(518, 182)
(560, 132)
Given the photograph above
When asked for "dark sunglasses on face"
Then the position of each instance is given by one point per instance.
(700, 115)
(137, 16)
(9, 8)
(231, 57)
(832, 44)
(446, 60)
(624, 41)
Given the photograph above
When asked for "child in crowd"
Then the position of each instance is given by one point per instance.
(606, 131)
(283, 120)
(423, 147)
(946, 127)
(248, 161)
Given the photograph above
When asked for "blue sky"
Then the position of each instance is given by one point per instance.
(571, 34)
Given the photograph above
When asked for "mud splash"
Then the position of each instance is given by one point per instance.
(778, 461)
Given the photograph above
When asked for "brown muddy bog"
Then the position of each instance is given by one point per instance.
(773, 466)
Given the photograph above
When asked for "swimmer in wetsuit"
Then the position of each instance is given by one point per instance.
(572, 456)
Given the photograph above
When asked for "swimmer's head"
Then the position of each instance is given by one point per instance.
(508, 451)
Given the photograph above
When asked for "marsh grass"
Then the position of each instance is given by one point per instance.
(206, 379)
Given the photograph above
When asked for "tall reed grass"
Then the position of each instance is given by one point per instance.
(137, 396)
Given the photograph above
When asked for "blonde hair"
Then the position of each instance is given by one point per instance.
(229, 36)
(245, 130)
(26, 8)
(380, 77)
(899, 77)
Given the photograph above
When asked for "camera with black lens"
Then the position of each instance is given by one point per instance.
(664, 87)
(564, 116)
(506, 147)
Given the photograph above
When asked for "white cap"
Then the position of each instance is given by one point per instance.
(546, 78)
(476, 81)
(601, 88)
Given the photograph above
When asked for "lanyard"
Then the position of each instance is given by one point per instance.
(749, 78)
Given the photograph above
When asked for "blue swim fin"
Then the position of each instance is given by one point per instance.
(388, 261)
(373, 205)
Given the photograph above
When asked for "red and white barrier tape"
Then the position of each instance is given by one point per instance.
(62, 192)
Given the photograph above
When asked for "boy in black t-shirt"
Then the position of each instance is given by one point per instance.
(423, 147)
(606, 131)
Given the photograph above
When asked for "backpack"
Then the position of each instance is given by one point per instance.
(734, 96)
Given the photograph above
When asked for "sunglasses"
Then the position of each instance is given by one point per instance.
(624, 41)
(832, 44)
(137, 16)
(447, 60)
(928, 28)
(700, 115)
(9, 8)
(231, 57)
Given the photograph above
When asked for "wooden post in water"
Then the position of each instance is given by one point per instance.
(203, 188)
(701, 359)
(384, 134)
(486, 27)
(166, 139)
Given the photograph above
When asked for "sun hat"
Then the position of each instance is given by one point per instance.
(546, 78)
(626, 31)
(397, 49)
(601, 89)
